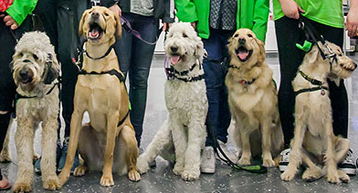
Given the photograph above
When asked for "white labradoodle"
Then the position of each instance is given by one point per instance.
(185, 96)
(35, 72)
(314, 142)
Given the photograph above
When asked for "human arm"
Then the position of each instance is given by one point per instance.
(18, 11)
(352, 19)
(186, 11)
(291, 9)
(261, 13)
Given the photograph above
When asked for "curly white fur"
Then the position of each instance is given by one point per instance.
(33, 56)
(187, 105)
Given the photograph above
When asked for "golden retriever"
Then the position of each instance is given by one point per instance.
(108, 141)
(253, 99)
(314, 141)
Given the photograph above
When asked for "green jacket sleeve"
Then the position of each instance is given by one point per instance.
(20, 9)
(262, 10)
(186, 10)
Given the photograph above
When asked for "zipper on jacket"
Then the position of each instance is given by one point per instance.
(220, 14)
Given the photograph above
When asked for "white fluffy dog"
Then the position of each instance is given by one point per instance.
(314, 142)
(35, 72)
(185, 96)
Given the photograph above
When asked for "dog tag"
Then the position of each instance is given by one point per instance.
(323, 92)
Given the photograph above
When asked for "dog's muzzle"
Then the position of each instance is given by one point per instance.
(25, 75)
(95, 32)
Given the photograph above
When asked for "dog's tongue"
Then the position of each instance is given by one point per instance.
(94, 33)
(243, 55)
(174, 59)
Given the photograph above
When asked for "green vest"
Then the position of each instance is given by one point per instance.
(327, 12)
(251, 14)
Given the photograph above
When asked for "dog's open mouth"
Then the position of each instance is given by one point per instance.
(26, 80)
(174, 59)
(95, 31)
(243, 54)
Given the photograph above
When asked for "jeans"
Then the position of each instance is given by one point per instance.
(135, 58)
(215, 70)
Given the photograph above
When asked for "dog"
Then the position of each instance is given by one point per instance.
(108, 141)
(184, 131)
(35, 72)
(314, 142)
(252, 98)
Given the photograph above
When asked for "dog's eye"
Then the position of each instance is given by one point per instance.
(21, 54)
(236, 35)
(35, 56)
(106, 14)
(184, 35)
(249, 35)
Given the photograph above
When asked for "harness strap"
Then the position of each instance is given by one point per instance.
(106, 54)
(19, 96)
(112, 72)
(309, 79)
(190, 79)
(314, 82)
(124, 118)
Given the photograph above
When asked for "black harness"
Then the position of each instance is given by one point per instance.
(174, 74)
(314, 82)
(19, 96)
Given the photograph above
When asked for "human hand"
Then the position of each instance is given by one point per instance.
(352, 22)
(194, 24)
(291, 9)
(166, 26)
(116, 9)
(9, 21)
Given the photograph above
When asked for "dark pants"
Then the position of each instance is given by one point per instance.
(135, 58)
(290, 57)
(215, 71)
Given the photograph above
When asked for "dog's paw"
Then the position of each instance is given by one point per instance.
(63, 177)
(134, 176)
(178, 169)
(343, 176)
(51, 184)
(22, 187)
(107, 180)
(288, 175)
(142, 165)
(268, 163)
(190, 175)
(80, 171)
(332, 176)
(312, 174)
(244, 161)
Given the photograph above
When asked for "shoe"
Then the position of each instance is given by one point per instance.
(62, 161)
(229, 154)
(285, 159)
(348, 165)
(207, 165)
(37, 164)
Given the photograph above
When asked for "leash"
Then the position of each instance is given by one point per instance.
(257, 169)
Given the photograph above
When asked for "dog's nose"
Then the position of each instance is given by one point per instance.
(24, 73)
(242, 41)
(174, 49)
(95, 14)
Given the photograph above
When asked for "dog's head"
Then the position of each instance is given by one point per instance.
(183, 46)
(99, 25)
(34, 61)
(341, 65)
(245, 48)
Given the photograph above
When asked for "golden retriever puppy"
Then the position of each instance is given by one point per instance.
(35, 72)
(253, 99)
(108, 142)
(314, 142)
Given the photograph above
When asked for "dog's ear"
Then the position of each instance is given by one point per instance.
(262, 55)
(119, 26)
(82, 21)
(199, 50)
(312, 55)
(52, 69)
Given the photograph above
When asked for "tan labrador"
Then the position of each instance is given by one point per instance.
(110, 133)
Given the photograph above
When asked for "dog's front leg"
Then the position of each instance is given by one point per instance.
(107, 176)
(48, 162)
(127, 134)
(180, 143)
(266, 143)
(24, 143)
(330, 158)
(76, 126)
(246, 149)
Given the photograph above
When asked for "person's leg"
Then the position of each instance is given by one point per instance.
(290, 58)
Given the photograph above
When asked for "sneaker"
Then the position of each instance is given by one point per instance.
(207, 165)
(62, 161)
(37, 164)
(229, 154)
(348, 165)
(285, 158)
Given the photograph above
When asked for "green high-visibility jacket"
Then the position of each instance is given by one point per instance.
(20, 9)
(252, 14)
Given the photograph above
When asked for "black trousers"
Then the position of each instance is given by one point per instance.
(290, 57)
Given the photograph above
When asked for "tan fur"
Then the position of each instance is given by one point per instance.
(314, 137)
(101, 143)
(253, 106)
(35, 55)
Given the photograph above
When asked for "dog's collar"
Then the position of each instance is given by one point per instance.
(19, 96)
(246, 82)
(314, 82)
(183, 75)
(105, 54)
(190, 78)
(112, 72)
(172, 71)
(232, 66)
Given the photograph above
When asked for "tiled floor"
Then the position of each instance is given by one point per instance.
(162, 179)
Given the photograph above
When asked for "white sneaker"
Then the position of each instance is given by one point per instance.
(229, 154)
(207, 165)
(348, 165)
(285, 159)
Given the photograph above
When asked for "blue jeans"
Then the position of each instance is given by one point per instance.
(215, 71)
(135, 58)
